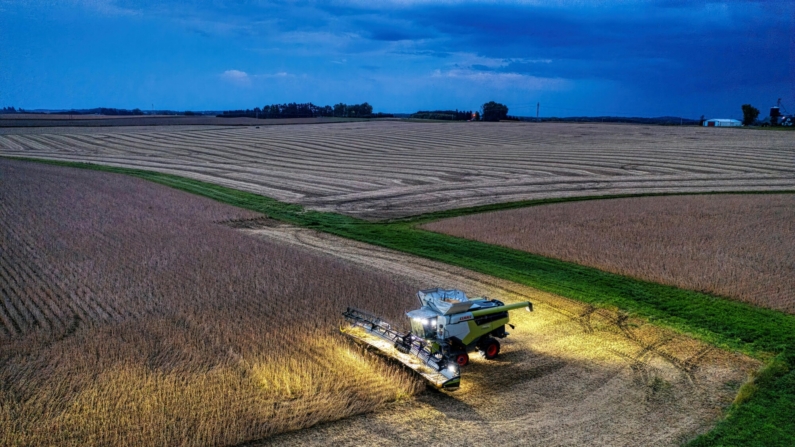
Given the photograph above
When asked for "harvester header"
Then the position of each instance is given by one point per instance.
(444, 330)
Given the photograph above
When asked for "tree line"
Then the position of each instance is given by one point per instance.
(490, 111)
(112, 111)
(95, 111)
(105, 111)
(307, 110)
(451, 115)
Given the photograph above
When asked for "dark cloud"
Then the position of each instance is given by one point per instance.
(639, 43)
(667, 52)
(667, 44)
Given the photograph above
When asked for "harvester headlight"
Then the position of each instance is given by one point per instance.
(424, 321)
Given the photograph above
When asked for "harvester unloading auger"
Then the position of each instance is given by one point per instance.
(444, 330)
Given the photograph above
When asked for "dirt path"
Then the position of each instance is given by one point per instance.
(568, 374)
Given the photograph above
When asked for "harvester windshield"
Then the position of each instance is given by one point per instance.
(423, 323)
(424, 327)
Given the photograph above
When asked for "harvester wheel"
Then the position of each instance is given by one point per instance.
(462, 359)
(490, 348)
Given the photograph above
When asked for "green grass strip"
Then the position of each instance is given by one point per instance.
(765, 416)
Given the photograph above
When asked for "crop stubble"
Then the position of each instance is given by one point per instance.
(35, 122)
(740, 246)
(129, 317)
(191, 332)
(393, 169)
(569, 374)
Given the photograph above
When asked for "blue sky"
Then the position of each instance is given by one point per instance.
(624, 57)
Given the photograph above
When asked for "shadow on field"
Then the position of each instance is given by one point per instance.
(569, 374)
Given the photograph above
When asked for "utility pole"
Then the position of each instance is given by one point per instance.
(538, 107)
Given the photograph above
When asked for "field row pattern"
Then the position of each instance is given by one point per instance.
(129, 316)
(394, 169)
(740, 246)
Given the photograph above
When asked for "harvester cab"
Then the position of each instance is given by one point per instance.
(446, 328)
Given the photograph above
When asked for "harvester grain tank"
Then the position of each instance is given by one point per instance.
(446, 328)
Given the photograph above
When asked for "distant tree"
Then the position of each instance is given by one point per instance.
(701, 120)
(750, 113)
(494, 111)
(366, 109)
(452, 115)
(477, 116)
(302, 110)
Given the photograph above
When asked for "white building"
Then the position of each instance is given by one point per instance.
(722, 122)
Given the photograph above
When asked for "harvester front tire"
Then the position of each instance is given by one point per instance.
(490, 349)
(462, 359)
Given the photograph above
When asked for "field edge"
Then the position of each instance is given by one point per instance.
(424, 218)
(765, 417)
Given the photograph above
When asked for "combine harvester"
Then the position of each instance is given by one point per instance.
(444, 330)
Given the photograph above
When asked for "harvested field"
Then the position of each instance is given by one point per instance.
(740, 246)
(214, 335)
(569, 374)
(392, 169)
(81, 121)
(92, 130)
(128, 316)
(71, 117)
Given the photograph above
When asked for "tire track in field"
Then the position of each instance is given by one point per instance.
(443, 275)
(650, 382)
